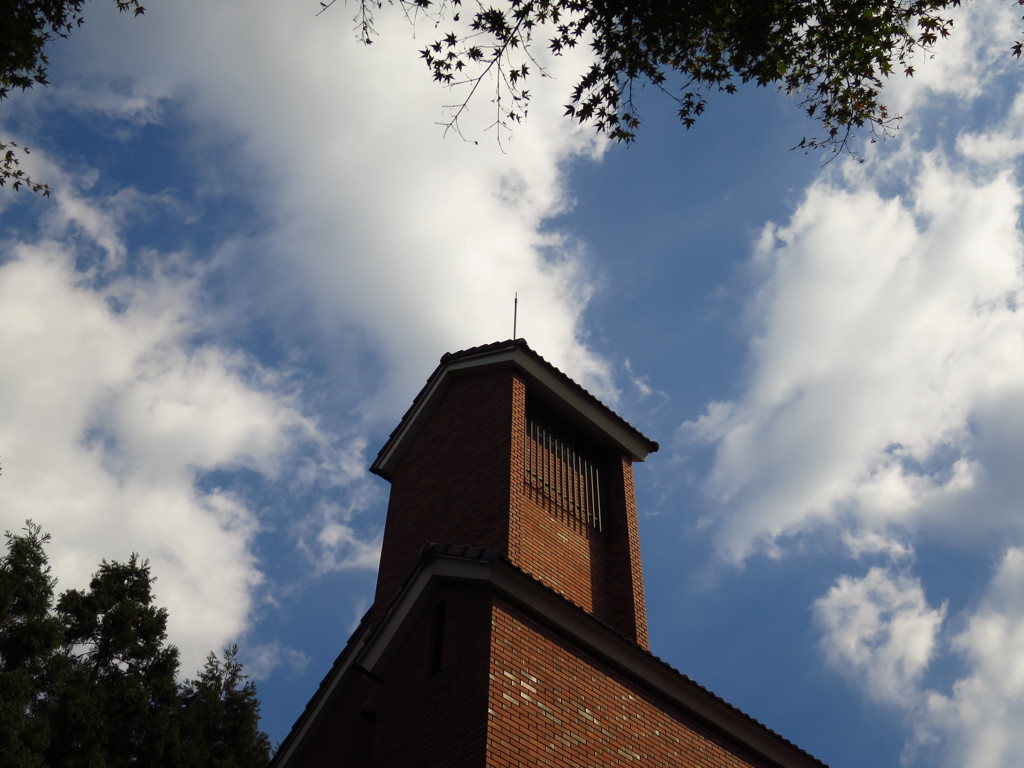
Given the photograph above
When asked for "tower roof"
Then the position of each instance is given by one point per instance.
(552, 385)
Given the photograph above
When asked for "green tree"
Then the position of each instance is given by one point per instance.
(832, 56)
(117, 698)
(221, 705)
(30, 636)
(91, 681)
(26, 28)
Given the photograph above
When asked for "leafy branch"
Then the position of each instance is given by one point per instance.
(11, 171)
(26, 27)
(831, 56)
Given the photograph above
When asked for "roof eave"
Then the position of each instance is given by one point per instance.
(439, 564)
(550, 380)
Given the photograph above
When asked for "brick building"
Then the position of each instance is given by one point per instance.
(508, 627)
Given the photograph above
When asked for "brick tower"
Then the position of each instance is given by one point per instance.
(508, 627)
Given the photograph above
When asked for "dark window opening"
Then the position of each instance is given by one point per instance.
(364, 735)
(565, 477)
(437, 638)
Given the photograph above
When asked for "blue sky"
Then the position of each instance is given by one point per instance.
(260, 243)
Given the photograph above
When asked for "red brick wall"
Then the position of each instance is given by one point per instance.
(452, 485)
(346, 737)
(624, 579)
(552, 705)
(509, 694)
(542, 543)
(462, 481)
(420, 720)
(598, 570)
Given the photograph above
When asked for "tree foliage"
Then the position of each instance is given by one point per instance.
(26, 27)
(832, 56)
(30, 636)
(218, 708)
(89, 679)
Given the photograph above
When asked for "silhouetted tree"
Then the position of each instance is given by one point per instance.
(92, 681)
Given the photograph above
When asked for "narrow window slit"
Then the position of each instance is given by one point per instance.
(437, 637)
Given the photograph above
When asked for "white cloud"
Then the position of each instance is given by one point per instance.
(372, 228)
(978, 722)
(375, 226)
(883, 408)
(642, 384)
(261, 660)
(1000, 144)
(111, 411)
(868, 543)
(372, 232)
(880, 632)
(331, 540)
(885, 331)
(963, 65)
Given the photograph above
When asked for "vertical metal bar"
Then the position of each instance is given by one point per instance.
(548, 467)
(589, 486)
(580, 501)
(527, 453)
(541, 459)
(537, 450)
(565, 476)
(538, 456)
(588, 479)
(576, 506)
(593, 495)
(570, 457)
(557, 467)
(563, 466)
